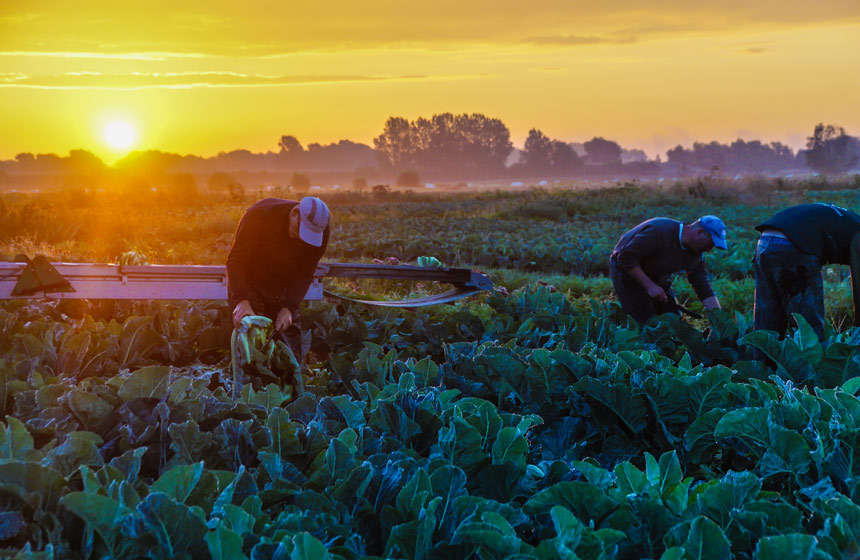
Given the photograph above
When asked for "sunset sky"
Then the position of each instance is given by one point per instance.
(230, 75)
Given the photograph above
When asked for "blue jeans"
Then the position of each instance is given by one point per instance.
(787, 281)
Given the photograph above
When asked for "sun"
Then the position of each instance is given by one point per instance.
(119, 135)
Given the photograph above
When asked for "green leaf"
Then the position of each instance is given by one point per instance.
(781, 547)
(15, 441)
(136, 340)
(706, 541)
(807, 341)
(178, 482)
(90, 409)
(586, 501)
(510, 446)
(306, 547)
(148, 382)
(749, 424)
(176, 528)
(224, 544)
(102, 514)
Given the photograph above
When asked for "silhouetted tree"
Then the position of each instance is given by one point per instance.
(397, 143)
(290, 145)
(830, 150)
(564, 158)
(82, 162)
(739, 157)
(603, 152)
(537, 151)
(445, 144)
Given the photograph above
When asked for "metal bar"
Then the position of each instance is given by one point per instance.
(108, 281)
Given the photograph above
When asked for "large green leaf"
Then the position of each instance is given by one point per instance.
(587, 502)
(510, 447)
(781, 547)
(178, 482)
(176, 528)
(102, 514)
(706, 541)
(15, 441)
(224, 544)
(148, 382)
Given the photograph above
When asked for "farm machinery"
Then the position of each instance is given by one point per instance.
(40, 278)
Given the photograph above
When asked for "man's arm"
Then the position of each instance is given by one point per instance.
(654, 291)
(242, 254)
(698, 278)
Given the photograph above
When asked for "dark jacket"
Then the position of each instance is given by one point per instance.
(265, 264)
(655, 245)
(818, 229)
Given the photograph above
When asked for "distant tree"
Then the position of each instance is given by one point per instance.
(290, 145)
(397, 145)
(445, 144)
(830, 150)
(603, 152)
(408, 178)
(300, 181)
(564, 158)
(633, 156)
(82, 162)
(359, 184)
(537, 151)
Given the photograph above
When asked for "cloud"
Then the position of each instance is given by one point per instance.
(254, 28)
(580, 40)
(153, 56)
(144, 80)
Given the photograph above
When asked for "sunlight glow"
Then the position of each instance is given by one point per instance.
(119, 135)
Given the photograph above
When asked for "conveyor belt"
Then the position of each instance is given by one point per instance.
(42, 279)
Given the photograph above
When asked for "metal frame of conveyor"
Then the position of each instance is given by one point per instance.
(109, 281)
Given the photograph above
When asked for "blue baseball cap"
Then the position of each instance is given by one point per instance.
(314, 219)
(716, 228)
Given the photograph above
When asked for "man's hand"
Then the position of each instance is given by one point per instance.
(711, 303)
(284, 320)
(243, 309)
(658, 293)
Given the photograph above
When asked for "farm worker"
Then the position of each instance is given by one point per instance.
(794, 243)
(271, 264)
(646, 256)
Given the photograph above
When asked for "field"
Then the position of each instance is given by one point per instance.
(535, 421)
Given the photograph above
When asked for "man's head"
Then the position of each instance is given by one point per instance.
(308, 220)
(706, 233)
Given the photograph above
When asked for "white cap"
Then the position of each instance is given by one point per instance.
(314, 217)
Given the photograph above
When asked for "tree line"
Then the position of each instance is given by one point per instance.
(467, 146)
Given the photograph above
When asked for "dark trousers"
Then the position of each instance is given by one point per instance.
(786, 281)
(635, 300)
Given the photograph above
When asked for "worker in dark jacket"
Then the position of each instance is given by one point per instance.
(644, 259)
(794, 244)
(271, 264)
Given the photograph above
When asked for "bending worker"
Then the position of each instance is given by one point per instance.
(645, 258)
(794, 244)
(271, 264)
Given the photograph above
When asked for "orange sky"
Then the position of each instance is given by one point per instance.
(231, 75)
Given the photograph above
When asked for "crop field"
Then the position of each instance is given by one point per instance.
(534, 421)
